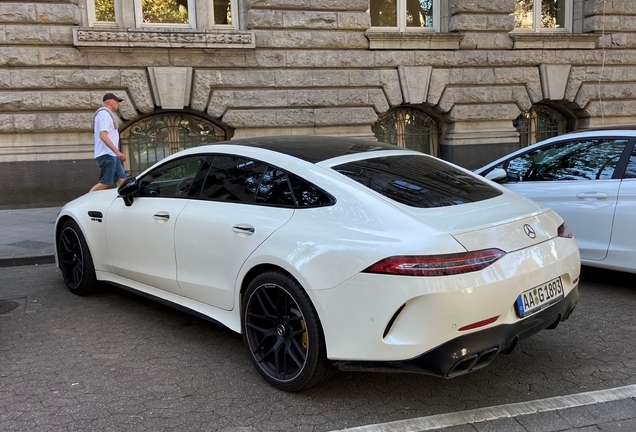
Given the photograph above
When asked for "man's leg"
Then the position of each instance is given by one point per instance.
(99, 186)
(120, 174)
(107, 168)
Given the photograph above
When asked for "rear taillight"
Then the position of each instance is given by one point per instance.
(564, 231)
(436, 265)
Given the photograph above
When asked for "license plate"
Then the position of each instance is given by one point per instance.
(539, 297)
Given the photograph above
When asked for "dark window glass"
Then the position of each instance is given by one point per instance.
(418, 181)
(308, 195)
(630, 171)
(232, 178)
(275, 188)
(173, 179)
(592, 159)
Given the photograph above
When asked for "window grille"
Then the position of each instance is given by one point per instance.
(153, 138)
(409, 128)
(538, 124)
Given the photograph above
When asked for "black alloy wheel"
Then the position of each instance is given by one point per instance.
(282, 333)
(75, 260)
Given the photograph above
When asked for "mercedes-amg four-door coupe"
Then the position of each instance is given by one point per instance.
(329, 253)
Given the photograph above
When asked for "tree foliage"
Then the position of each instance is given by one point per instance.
(550, 12)
(154, 11)
(164, 11)
(105, 10)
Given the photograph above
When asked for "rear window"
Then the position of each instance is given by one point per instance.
(418, 181)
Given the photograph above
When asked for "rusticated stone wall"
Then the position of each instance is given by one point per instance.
(299, 67)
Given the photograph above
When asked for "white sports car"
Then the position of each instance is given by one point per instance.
(589, 179)
(330, 253)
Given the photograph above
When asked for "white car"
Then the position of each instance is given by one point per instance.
(589, 179)
(330, 253)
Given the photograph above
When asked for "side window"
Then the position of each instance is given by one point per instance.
(308, 195)
(173, 179)
(283, 189)
(275, 188)
(593, 159)
(232, 178)
(543, 15)
(223, 14)
(405, 15)
(630, 171)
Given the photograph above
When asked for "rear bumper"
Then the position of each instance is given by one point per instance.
(476, 350)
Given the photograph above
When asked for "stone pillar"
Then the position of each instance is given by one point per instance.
(485, 24)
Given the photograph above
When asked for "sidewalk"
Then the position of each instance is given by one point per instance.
(26, 236)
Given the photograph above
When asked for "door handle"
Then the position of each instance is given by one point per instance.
(246, 230)
(161, 216)
(592, 195)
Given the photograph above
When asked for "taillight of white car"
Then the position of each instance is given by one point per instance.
(436, 265)
(564, 231)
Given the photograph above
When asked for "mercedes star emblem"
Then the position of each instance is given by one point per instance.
(529, 231)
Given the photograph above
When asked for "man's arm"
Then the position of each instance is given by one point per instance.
(103, 135)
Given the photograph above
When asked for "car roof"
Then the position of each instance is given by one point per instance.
(609, 131)
(312, 148)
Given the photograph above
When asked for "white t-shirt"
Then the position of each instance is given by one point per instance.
(104, 122)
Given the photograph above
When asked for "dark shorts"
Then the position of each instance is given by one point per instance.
(110, 169)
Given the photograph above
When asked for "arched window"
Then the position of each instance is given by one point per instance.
(410, 128)
(153, 138)
(539, 123)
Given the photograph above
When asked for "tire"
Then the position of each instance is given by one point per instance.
(282, 333)
(75, 260)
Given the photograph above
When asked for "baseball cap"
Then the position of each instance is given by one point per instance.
(111, 96)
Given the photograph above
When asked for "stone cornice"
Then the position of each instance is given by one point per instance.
(413, 40)
(162, 38)
(554, 40)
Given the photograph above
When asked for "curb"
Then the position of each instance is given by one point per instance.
(24, 261)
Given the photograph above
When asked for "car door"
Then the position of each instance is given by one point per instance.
(622, 251)
(577, 180)
(140, 237)
(242, 202)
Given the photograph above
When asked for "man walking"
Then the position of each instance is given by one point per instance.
(106, 139)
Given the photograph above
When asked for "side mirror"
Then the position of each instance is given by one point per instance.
(498, 175)
(127, 189)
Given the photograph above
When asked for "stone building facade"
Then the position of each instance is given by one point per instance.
(316, 67)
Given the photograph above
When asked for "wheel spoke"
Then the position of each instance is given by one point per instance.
(273, 350)
(268, 318)
(76, 275)
(291, 354)
(272, 306)
(264, 331)
(65, 242)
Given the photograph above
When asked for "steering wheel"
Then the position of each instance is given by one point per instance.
(184, 186)
(602, 168)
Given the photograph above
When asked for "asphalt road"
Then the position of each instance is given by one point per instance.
(115, 361)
